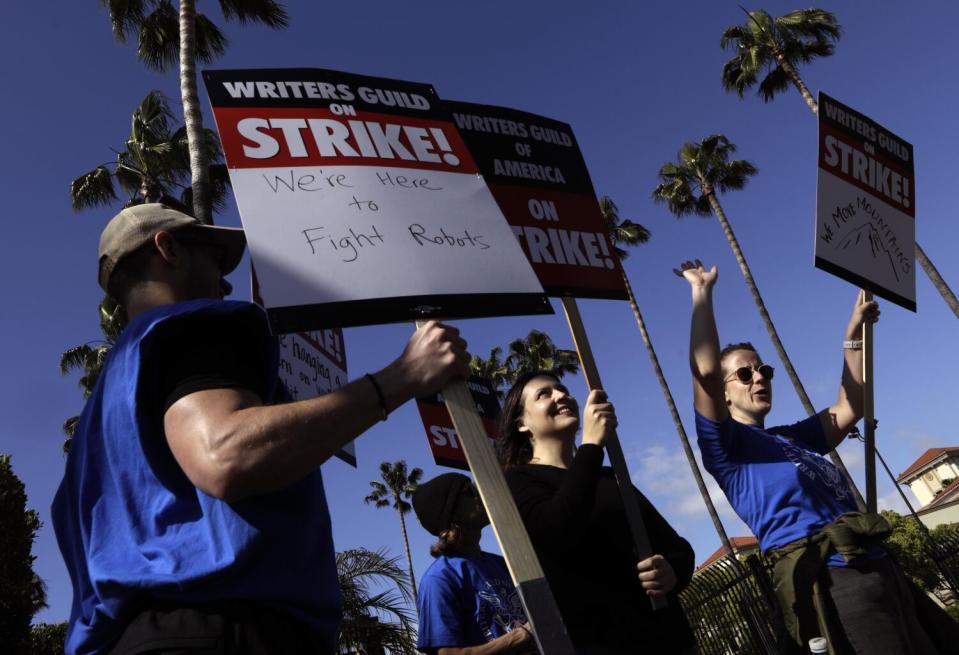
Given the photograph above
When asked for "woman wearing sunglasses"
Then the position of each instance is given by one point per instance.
(831, 572)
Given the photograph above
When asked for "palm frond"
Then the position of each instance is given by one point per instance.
(736, 33)
(413, 480)
(158, 44)
(775, 82)
(125, 15)
(128, 177)
(813, 23)
(92, 189)
(374, 619)
(361, 567)
(74, 358)
(623, 231)
(210, 41)
(735, 175)
(151, 118)
(805, 51)
(267, 12)
(631, 233)
(69, 429)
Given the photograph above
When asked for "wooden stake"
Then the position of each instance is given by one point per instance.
(614, 449)
(869, 419)
(547, 625)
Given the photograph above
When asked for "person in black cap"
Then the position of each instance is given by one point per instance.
(192, 515)
(467, 602)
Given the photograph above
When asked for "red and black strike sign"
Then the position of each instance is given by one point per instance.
(442, 437)
(538, 176)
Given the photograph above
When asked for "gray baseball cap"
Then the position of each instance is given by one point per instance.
(135, 226)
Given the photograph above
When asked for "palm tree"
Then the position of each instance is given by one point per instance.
(153, 163)
(778, 46)
(368, 611)
(628, 233)
(396, 486)
(164, 37)
(689, 186)
(538, 353)
(493, 368)
(534, 353)
(89, 357)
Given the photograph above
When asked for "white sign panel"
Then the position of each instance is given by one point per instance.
(865, 204)
(361, 204)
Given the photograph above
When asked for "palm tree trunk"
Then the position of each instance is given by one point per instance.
(192, 118)
(409, 556)
(937, 280)
(773, 335)
(677, 421)
(797, 81)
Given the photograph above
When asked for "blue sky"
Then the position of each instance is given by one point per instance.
(635, 80)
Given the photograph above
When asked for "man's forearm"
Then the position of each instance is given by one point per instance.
(253, 449)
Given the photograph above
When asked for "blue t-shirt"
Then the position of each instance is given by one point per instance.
(134, 530)
(777, 479)
(466, 601)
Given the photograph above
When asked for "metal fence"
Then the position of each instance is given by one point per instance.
(732, 608)
(944, 550)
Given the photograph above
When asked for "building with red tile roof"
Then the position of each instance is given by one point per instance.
(742, 546)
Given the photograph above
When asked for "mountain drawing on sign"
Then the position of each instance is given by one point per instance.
(867, 236)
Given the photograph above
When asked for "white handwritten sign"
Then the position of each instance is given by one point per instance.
(361, 203)
(865, 204)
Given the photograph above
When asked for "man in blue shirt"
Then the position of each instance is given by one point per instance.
(779, 482)
(192, 516)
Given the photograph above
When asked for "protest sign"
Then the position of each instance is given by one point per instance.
(538, 176)
(361, 204)
(865, 204)
(442, 437)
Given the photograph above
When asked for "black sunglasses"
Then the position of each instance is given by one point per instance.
(745, 373)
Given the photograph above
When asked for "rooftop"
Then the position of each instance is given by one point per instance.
(739, 544)
(926, 458)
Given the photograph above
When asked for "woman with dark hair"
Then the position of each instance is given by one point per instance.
(467, 603)
(574, 513)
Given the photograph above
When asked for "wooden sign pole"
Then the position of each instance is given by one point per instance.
(541, 610)
(869, 419)
(613, 448)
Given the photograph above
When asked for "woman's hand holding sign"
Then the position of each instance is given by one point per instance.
(656, 575)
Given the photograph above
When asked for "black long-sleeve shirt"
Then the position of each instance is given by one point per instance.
(577, 523)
